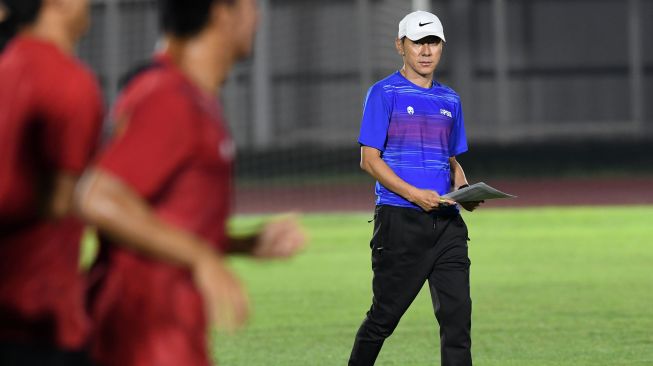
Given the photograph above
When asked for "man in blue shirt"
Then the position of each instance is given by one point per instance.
(411, 132)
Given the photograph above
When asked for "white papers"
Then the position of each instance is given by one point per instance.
(476, 192)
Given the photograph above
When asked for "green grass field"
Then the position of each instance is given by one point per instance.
(551, 286)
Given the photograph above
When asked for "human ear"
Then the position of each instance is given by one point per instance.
(399, 45)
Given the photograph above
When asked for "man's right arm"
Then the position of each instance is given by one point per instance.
(373, 164)
(119, 212)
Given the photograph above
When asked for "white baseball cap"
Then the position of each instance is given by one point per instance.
(420, 24)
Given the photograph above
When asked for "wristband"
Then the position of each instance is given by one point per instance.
(463, 186)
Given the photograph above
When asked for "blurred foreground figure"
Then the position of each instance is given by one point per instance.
(50, 117)
(160, 196)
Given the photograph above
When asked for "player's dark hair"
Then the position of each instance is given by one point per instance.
(428, 39)
(18, 13)
(183, 18)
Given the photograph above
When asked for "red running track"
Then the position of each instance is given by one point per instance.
(530, 192)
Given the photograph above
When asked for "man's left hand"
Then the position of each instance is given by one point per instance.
(470, 206)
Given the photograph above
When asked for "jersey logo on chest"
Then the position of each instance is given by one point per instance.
(445, 112)
(410, 110)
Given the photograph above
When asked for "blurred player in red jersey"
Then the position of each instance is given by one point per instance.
(160, 196)
(50, 118)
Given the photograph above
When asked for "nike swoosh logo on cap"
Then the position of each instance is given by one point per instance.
(423, 24)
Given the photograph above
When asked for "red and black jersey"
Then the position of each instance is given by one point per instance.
(171, 146)
(50, 119)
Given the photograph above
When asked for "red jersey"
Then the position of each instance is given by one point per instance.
(172, 148)
(50, 118)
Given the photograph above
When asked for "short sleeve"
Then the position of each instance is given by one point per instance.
(458, 138)
(376, 119)
(75, 122)
(156, 142)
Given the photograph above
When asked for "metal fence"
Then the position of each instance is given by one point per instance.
(526, 69)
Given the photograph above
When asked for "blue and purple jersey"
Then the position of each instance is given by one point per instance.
(417, 130)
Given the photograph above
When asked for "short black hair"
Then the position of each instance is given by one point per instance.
(427, 39)
(183, 18)
(19, 14)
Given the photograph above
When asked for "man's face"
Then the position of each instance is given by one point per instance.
(421, 56)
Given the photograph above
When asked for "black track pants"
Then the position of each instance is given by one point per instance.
(410, 247)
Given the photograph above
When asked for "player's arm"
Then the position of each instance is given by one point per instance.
(279, 238)
(75, 119)
(104, 201)
(60, 203)
(119, 212)
(373, 164)
(459, 180)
